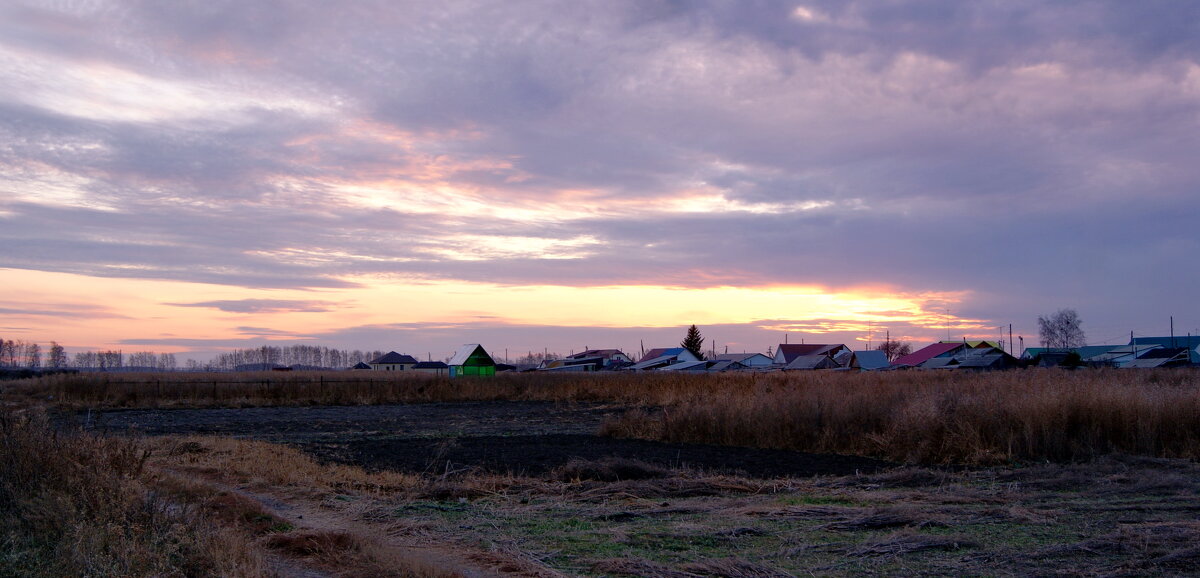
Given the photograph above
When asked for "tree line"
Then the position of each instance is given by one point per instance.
(19, 354)
(314, 356)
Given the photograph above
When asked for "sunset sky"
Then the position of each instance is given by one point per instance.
(190, 177)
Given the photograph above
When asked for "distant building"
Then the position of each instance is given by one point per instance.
(870, 360)
(927, 354)
(433, 367)
(1189, 342)
(788, 352)
(818, 361)
(392, 361)
(591, 360)
(662, 357)
(746, 359)
(471, 360)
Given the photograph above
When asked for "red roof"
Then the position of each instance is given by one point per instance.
(926, 353)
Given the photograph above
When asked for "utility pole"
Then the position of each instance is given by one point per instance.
(1010, 339)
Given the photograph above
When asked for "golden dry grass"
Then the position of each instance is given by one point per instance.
(944, 418)
(913, 417)
(79, 505)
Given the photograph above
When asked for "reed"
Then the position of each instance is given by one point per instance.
(944, 418)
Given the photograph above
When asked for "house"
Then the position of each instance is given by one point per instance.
(471, 360)
(1119, 355)
(870, 360)
(361, 365)
(731, 365)
(975, 343)
(592, 360)
(432, 367)
(924, 355)
(663, 356)
(1189, 342)
(1054, 357)
(751, 360)
(687, 366)
(819, 361)
(788, 352)
(392, 361)
(1160, 357)
(609, 356)
(983, 359)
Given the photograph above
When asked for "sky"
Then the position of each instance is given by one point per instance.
(191, 177)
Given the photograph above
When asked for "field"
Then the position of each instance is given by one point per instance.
(834, 474)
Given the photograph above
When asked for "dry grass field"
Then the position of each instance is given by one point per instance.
(1088, 472)
(910, 417)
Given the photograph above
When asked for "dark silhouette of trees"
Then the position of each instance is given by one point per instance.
(58, 356)
(693, 342)
(895, 349)
(1061, 330)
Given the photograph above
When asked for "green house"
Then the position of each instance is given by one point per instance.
(470, 360)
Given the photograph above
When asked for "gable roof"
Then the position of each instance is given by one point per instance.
(605, 353)
(1191, 342)
(819, 361)
(871, 359)
(743, 358)
(465, 352)
(928, 352)
(393, 357)
(686, 366)
(661, 351)
(791, 351)
(728, 365)
(974, 343)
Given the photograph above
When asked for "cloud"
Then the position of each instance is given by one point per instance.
(1003, 149)
(264, 305)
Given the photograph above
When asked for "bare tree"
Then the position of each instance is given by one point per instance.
(895, 349)
(33, 356)
(8, 353)
(1061, 330)
(58, 356)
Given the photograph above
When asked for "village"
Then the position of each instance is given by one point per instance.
(966, 355)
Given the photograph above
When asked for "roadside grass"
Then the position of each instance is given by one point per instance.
(73, 504)
(1114, 514)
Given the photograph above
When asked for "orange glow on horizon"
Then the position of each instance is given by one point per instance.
(96, 312)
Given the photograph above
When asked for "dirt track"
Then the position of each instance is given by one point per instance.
(508, 437)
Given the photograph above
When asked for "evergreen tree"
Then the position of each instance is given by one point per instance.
(693, 342)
